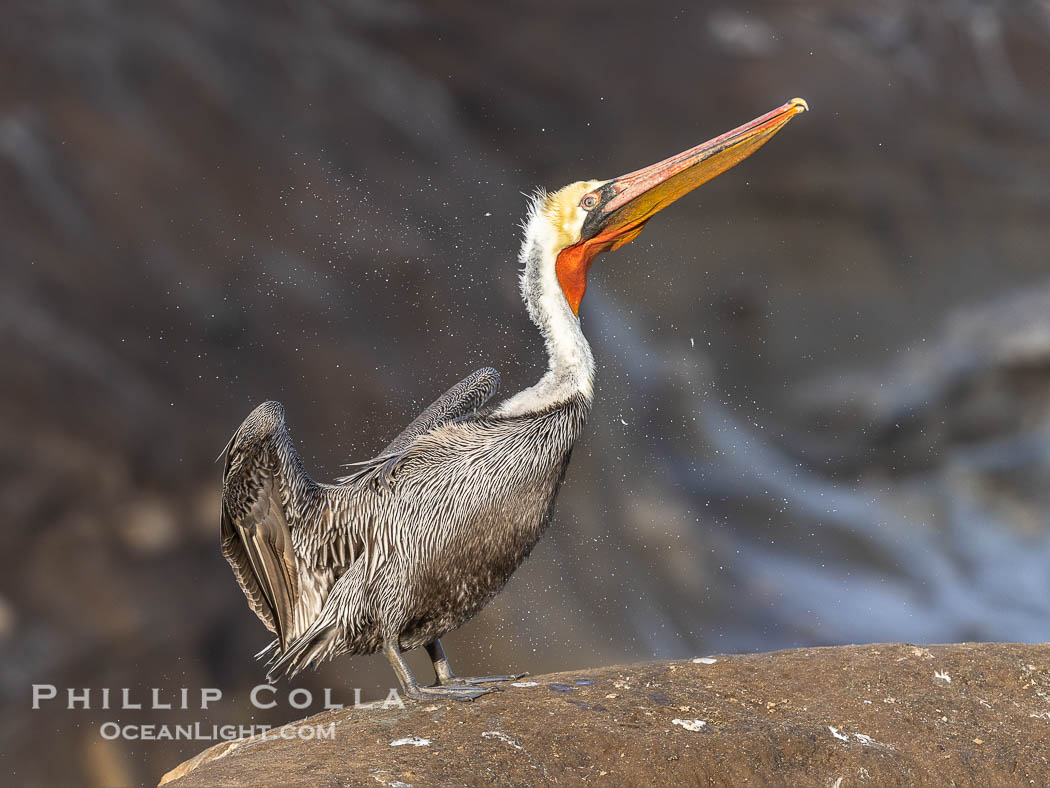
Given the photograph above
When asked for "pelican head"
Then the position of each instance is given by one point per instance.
(587, 218)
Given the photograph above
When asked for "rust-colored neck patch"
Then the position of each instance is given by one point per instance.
(574, 261)
(572, 266)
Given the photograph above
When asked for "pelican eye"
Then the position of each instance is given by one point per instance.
(590, 201)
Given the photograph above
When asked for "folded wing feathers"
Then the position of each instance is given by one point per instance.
(459, 401)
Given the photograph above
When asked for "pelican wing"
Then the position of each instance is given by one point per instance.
(256, 535)
(458, 402)
(461, 400)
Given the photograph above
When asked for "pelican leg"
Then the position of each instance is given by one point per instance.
(411, 687)
(446, 678)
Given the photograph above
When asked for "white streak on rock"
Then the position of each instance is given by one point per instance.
(690, 725)
(502, 737)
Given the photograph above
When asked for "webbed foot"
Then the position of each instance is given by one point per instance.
(464, 693)
(455, 681)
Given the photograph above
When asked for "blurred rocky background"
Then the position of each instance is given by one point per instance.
(823, 408)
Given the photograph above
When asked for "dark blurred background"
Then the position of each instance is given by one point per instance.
(823, 407)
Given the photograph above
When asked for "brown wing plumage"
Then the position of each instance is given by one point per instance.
(461, 400)
(259, 545)
(256, 536)
(289, 538)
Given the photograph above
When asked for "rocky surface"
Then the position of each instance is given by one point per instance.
(883, 714)
(205, 205)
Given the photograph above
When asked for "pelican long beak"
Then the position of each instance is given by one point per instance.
(629, 201)
(626, 203)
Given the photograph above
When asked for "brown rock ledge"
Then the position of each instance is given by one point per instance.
(884, 714)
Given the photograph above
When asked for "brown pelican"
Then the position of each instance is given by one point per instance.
(418, 539)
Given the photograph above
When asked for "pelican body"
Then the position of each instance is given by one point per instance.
(417, 540)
